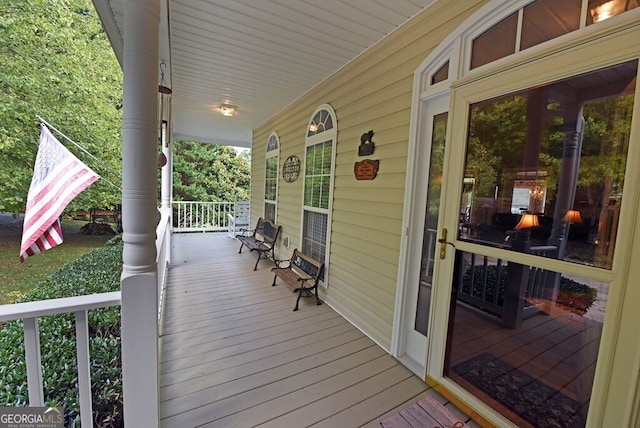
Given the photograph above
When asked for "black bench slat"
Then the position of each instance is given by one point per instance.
(300, 272)
(262, 240)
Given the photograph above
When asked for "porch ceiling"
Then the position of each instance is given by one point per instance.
(257, 55)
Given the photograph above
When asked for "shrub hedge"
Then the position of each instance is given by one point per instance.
(96, 272)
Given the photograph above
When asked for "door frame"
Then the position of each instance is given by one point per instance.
(405, 350)
(612, 393)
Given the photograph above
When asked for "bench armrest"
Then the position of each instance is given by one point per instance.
(282, 263)
(246, 232)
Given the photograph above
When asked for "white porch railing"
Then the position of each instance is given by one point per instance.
(163, 254)
(205, 216)
(193, 216)
(30, 312)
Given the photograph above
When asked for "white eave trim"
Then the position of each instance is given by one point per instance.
(103, 7)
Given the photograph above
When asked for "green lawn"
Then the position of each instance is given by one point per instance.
(18, 278)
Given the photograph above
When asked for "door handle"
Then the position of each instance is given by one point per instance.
(443, 244)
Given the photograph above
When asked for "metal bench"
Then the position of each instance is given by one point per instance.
(262, 239)
(301, 273)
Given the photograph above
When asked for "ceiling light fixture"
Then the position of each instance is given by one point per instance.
(227, 109)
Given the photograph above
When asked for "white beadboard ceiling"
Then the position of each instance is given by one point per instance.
(259, 55)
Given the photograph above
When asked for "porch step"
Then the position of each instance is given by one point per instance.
(426, 413)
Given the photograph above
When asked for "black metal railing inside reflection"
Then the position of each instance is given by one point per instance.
(510, 291)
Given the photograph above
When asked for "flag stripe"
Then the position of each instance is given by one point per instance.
(71, 169)
(53, 185)
(58, 177)
(51, 205)
(51, 209)
(52, 178)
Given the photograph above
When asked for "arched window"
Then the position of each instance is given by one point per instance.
(318, 184)
(271, 177)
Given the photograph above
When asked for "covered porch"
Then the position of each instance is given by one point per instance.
(233, 353)
(223, 369)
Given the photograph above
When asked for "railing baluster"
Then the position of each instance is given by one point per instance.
(84, 373)
(30, 312)
(498, 279)
(473, 274)
(184, 215)
(208, 216)
(485, 273)
(34, 363)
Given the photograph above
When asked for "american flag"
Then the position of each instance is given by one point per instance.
(58, 176)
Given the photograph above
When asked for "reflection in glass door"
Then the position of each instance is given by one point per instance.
(548, 167)
(432, 209)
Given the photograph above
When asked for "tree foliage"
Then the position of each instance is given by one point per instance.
(57, 63)
(497, 141)
(209, 173)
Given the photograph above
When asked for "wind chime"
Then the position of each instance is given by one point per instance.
(164, 119)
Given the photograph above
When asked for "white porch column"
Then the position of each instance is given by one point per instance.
(139, 214)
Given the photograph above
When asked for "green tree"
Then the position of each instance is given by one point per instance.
(209, 173)
(57, 63)
(497, 133)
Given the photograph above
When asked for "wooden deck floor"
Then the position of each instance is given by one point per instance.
(233, 353)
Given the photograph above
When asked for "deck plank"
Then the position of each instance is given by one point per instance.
(212, 349)
(275, 397)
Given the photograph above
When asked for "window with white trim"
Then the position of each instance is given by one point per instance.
(271, 177)
(318, 184)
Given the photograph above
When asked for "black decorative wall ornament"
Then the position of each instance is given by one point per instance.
(291, 169)
(366, 145)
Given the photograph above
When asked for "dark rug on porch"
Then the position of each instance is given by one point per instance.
(526, 396)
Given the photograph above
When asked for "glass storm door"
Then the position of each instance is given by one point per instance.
(541, 199)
